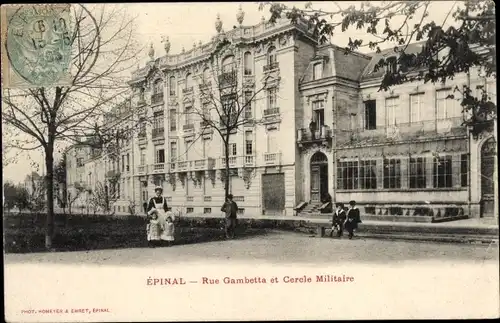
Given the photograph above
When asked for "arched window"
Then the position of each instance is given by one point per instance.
(247, 59)
(206, 75)
(271, 55)
(172, 85)
(228, 64)
(189, 81)
(158, 87)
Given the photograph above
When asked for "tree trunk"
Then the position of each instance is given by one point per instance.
(226, 178)
(49, 166)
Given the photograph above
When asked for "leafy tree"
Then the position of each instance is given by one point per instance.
(104, 47)
(469, 43)
(10, 192)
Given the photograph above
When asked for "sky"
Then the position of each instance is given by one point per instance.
(188, 23)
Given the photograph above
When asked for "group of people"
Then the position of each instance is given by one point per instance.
(160, 228)
(345, 220)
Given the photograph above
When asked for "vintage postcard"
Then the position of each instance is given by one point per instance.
(250, 161)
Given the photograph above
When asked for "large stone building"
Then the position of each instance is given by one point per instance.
(321, 127)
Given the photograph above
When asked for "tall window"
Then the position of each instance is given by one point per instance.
(442, 172)
(417, 172)
(272, 94)
(206, 75)
(173, 150)
(232, 149)
(228, 104)
(206, 111)
(447, 107)
(417, 112)
(347, 175)
(464, 170)
(123, 163)
(160, 156)
(158, 86)
(189, 81)
(173, 120)
(143, 156)
(172, 85)
(271, 55)
(272, 141)
(228, 64)
(189, 115)
(248, 104)
(368, 174)
(319, 112)
(392, 173)
(370, 114)
(392, 64)
(142, 127)
(392, 111)
(248, 63)
(317, 71)
(248, 143)
(128, 162)
(158, 120)
(187, 145)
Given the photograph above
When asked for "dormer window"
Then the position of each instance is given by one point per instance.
(317, 71)
(392, 64)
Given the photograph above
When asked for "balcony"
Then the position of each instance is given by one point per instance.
(271, 112)
(233, 162)
(207, 199)
(187, 91)
(159, 168)
(204, 164)
(227, 79)
(173, 166)
(323, 135)
(158, 133)
(183, 166)
(189, 198)
(272, 159)
(238, 161)
(188, 128)
(157, 98)
(205, 86)
(271, 67)
(248, 161)
(141, 170)
(445, 128)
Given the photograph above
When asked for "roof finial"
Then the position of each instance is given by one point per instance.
(151, 52)
(166, 43)
(218, 24)
(240, 15)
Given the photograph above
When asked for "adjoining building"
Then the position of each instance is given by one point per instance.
(322, 130)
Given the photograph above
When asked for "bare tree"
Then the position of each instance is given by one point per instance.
(227, 104)
(102, 199)
(104, 48)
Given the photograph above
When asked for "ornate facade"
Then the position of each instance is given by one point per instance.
(319, 127)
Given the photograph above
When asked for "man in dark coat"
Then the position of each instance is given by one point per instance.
(231, 209)
(338, 220)
(312, 128)
(353, 218)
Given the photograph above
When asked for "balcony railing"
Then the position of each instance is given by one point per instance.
(188, 127)
(204, 164)
(141, 169)
(443, 128)
(188, 90)
(183, 166)
(141, 101)
(157, 98)
(158, 132)
(207, 199)
(205, 86)
(173, 166)
(272, 158)
(305, 135)
(159, 168)
(271, 112)
(233, 161)
(272, 66)
(227, 79)
(189, 198)
(249, 161)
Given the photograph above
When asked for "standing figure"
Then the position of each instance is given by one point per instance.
(153, 229)
(353, 218)
(168, 230)
(230, 208)
(312, 128)
(338, 220)
(159, 203)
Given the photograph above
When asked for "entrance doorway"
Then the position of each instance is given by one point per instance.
(488, 154)
(319, 177)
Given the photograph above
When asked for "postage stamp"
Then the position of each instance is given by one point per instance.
(36, 45)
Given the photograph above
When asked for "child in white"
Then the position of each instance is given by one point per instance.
(153, 229)
(168, 230)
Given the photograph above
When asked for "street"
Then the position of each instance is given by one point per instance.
(275, 247)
